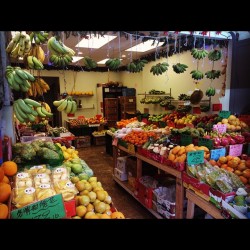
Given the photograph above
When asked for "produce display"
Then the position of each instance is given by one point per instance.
(39, 37)
(38, 87)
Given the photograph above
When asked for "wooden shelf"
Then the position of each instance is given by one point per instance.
(167, 94)
(128, 189)
(75, 96)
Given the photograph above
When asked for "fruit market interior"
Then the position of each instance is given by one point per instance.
(124, 125)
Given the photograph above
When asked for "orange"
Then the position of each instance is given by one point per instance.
(5, 191)
(238, 172)
(229, 169)
(229, 157)
(232, 164)
(10, 168)
(225, 166)
(213, 162)
(223, 159)
(246, 173)
(117, 215)
(5, 179)
(243, 179)
(1, 174)
(4, 210)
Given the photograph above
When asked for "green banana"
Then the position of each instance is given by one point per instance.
(74, 107)
(17, 78)
(58, 103)
(20, 112)
(39, 111)
(21, 74)
(69, 107)
(25, 108)
(31, 117)
(32, 102)
(56, 45)
(19, 118)
(30, 77)
(44, 111)
(63, 105)
(30, 62)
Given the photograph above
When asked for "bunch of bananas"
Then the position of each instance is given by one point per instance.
(24, 109)
(197, 75)
(214, 55)
(136, 66)
(199, 53)
(18, 79)
(46, 106)
(183, 97)
(213, 74)
(179, 68)
(89, 62)
(38, 52)
(44, 111)
(113, 64)
(39, 37)
(204, 108)
(159, 68)
(60, 54)
(38, 87)
(67, 104)
(19, 45)
(34, 63)
(210, 91)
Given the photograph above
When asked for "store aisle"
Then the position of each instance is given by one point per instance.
(102, 165)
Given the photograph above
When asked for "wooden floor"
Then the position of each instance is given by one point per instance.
(102, 165)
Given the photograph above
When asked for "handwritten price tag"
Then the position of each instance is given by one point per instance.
(221, 128)
(195, 157)
(217, 153)
(224, 114)
(235, 150)
(49, 208)
(115, 141)
(186, 140)
(205, 142)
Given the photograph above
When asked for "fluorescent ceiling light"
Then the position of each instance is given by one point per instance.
(142, 47)
(76, 58)
(95, 42)
(105, 60)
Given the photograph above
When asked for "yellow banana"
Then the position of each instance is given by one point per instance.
(58, 103)
(63, 105)
(69, 107)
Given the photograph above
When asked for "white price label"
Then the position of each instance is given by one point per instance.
(22, 175)
(29, 190)
(44, 185)
(69, 184)
(59, 170)
(40, 176)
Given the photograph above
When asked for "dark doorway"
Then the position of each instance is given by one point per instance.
(52, 95)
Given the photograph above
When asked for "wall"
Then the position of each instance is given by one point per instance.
(145, 81)
(84, 81)
(179, 83)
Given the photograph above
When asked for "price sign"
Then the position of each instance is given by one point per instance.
(131, 148)
(221, 128)
(195, 157)
(217, 153)
(235, 150)
(248, 149)
(186, 140)
(205, 142)
(224, 114)
(49, 208)
(115, 141)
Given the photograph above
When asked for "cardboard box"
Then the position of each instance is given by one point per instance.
(120, 175)
(99, 140)
(121, 163)
(83, 141)
(162, 211)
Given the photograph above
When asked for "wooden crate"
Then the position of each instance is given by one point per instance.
(124, 100)
(110, 102)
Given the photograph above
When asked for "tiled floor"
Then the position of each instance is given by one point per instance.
(102, 165)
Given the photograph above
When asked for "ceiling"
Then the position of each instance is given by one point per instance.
(116, 48)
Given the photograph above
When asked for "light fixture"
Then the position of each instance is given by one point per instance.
(95, 42)
(142, 47)
(103, 61)
(76, 58)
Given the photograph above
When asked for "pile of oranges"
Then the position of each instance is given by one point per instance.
(7, 170)
(236, 165)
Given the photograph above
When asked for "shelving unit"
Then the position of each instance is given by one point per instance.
(128, 189)
(166, 94)
(165, 168)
